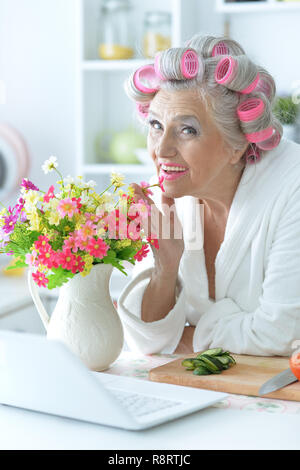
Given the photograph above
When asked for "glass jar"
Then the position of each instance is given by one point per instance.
(157, 32)
(115, 31)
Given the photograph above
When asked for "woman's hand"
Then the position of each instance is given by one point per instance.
(186, 343)
(167, 228)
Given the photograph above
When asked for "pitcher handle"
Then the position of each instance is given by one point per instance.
(37, 300)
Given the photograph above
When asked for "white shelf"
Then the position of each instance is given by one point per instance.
(106, 168)
(102, 106)
(269, 6)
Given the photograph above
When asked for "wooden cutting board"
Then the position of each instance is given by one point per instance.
(244, 378)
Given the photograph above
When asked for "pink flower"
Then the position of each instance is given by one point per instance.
(82, 244)
(50, 194)
(160, 182)
(40, 279)
(42, 243)
(145, 186)
(71, 243)
(67, 259)
(30, 258)
(92, 217)
(143, 208)
(78, 265)
(87, 231)
(142, 253)
(49, 259)
(66, 207)
(77, 201)
(153, 241)
(97, 248)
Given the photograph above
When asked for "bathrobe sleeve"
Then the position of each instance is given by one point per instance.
(275, 324)
(161, 336)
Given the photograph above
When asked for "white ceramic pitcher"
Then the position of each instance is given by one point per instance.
(85, 318)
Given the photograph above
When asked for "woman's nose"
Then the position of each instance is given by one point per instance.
(165, 146)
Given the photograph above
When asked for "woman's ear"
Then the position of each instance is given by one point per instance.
(237, 155)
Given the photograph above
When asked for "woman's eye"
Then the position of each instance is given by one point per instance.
(153, 123)
(157, 126)
(191, 129)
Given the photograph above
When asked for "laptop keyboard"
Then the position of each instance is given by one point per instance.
(141, 405)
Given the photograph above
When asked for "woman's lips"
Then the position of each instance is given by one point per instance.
(172, 176)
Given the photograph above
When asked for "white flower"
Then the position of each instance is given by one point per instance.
(90, 184)
(49, 165)
(85, 199)
(68, 180)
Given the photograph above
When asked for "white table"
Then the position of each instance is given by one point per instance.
(210, 429)
(237, 422)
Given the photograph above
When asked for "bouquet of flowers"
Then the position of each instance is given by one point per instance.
(61, 234)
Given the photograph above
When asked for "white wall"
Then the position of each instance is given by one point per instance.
(37, 54)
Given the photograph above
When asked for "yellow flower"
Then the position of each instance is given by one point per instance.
(120, 244)
(130, 191)
(100, 232)
(31, 199)
(137, 245)
(54, 218)
(88, 259)
(117, 180)
(35, 221)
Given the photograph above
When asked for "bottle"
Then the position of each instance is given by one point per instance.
(157, 32)
(115, 40)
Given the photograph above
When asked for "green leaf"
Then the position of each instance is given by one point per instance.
(60, 277)
(126, 253)
(18, 264)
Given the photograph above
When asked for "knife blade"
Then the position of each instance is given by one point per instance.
(278, 381)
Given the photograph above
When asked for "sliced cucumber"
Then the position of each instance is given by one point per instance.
(201, 370)
(213, 360)
(231, 359)
(189, 362)
(212, 352)
(225, 360)
(209, 363)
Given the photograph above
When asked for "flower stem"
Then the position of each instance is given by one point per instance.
(106, 190)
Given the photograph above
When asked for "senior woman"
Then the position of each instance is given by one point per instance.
(208, 108)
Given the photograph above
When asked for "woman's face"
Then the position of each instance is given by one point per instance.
(182, 132)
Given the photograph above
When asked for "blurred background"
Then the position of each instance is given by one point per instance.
(62, 68)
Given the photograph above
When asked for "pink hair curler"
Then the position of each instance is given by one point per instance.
(271, 142)
(260, 135)
(252, 155)
(143, 109)
(251, 87)
(189, 64)
(220, 49)
(225, 70)
(144, 77)
(264, 87)
(250, 109)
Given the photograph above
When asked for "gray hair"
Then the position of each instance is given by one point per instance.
(222, 99)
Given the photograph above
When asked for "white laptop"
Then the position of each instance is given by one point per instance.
(44, 375)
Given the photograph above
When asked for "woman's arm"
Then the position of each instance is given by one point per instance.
(159, 297)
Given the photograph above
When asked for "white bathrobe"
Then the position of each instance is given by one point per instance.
(257, 280)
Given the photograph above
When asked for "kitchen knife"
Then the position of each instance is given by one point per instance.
(278, 381)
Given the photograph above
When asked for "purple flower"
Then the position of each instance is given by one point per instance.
(23, 217)
(19, 207)
(10, 223)
(28, 185)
